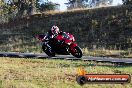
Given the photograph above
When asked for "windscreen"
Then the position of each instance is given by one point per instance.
(65, 36)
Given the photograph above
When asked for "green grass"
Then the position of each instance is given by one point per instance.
(48, 73)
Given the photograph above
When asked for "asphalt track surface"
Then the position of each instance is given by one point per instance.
(126, 61)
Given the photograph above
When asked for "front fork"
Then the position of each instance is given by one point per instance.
(71, 47)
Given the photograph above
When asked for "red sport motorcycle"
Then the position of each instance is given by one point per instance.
(63, 43)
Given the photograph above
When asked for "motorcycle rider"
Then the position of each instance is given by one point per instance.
(52, 33)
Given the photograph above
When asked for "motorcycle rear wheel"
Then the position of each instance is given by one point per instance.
(47, 51)
(77, 52)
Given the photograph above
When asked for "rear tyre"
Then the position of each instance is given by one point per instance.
(77, 52)
(48, 51)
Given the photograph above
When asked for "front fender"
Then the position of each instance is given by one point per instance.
(73, 45)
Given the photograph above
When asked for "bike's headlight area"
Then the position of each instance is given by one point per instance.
(69, 43)
(71, 39)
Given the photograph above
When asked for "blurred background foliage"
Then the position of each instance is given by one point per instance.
(10, 9)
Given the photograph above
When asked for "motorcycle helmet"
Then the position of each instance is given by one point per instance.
(55, 29)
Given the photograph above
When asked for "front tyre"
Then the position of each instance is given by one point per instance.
(77, 52)
(48, 50)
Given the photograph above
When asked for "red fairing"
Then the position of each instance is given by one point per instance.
(68, 41)
(68, 38)
(71, 36)
(59, 37)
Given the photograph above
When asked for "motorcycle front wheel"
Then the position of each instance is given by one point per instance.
(77, 52)
(48, 51)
